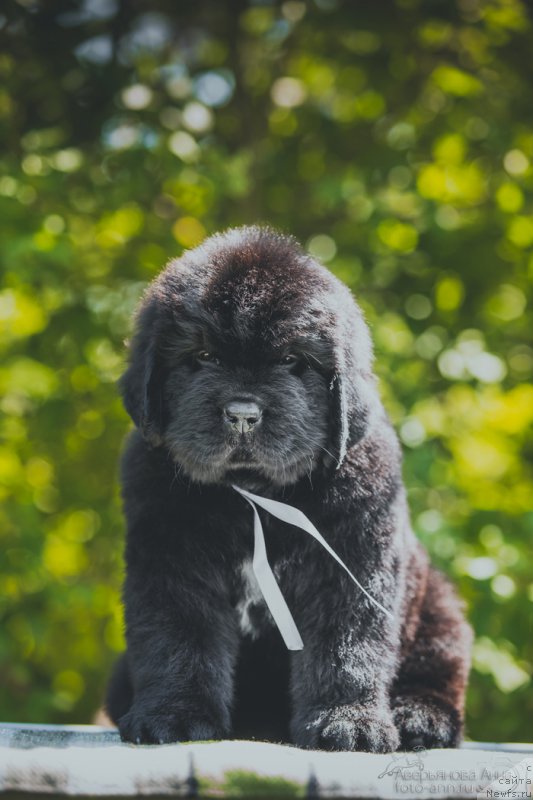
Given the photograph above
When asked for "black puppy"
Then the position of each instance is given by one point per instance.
(251, 365)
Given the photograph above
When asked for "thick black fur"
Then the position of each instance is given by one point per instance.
(250, 316)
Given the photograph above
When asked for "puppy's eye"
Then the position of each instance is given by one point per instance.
(289, 360)
(205, 356)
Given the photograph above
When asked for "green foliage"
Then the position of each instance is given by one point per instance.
(398, 147)
(241, 783)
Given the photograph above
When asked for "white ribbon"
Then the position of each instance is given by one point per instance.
(263, 572)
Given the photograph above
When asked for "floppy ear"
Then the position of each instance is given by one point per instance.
(142, 384)
(339, 420)
(352, 390)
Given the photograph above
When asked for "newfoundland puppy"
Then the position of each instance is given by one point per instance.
(251, 367)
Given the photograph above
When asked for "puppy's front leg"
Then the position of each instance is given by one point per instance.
(340, 681)
(182, 644)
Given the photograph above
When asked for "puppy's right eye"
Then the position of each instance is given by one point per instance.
(206, 356)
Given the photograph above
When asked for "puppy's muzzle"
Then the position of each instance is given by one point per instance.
(242, 416)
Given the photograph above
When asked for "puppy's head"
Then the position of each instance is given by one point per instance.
(249, 361)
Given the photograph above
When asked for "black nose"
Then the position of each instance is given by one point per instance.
(241, 416)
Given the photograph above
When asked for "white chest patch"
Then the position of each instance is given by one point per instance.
(251, 596)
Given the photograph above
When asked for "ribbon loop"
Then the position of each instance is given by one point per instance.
(263, 572)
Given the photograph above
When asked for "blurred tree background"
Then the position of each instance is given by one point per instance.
(396, 141)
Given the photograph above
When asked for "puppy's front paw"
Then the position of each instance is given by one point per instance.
(144, 726)
(426, 721)
(350, 727)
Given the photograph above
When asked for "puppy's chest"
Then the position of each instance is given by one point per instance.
(252, 613)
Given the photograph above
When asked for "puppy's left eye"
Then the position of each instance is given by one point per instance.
(205, 355)
(289, 360)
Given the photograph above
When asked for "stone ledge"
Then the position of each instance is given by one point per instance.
(84, 760)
